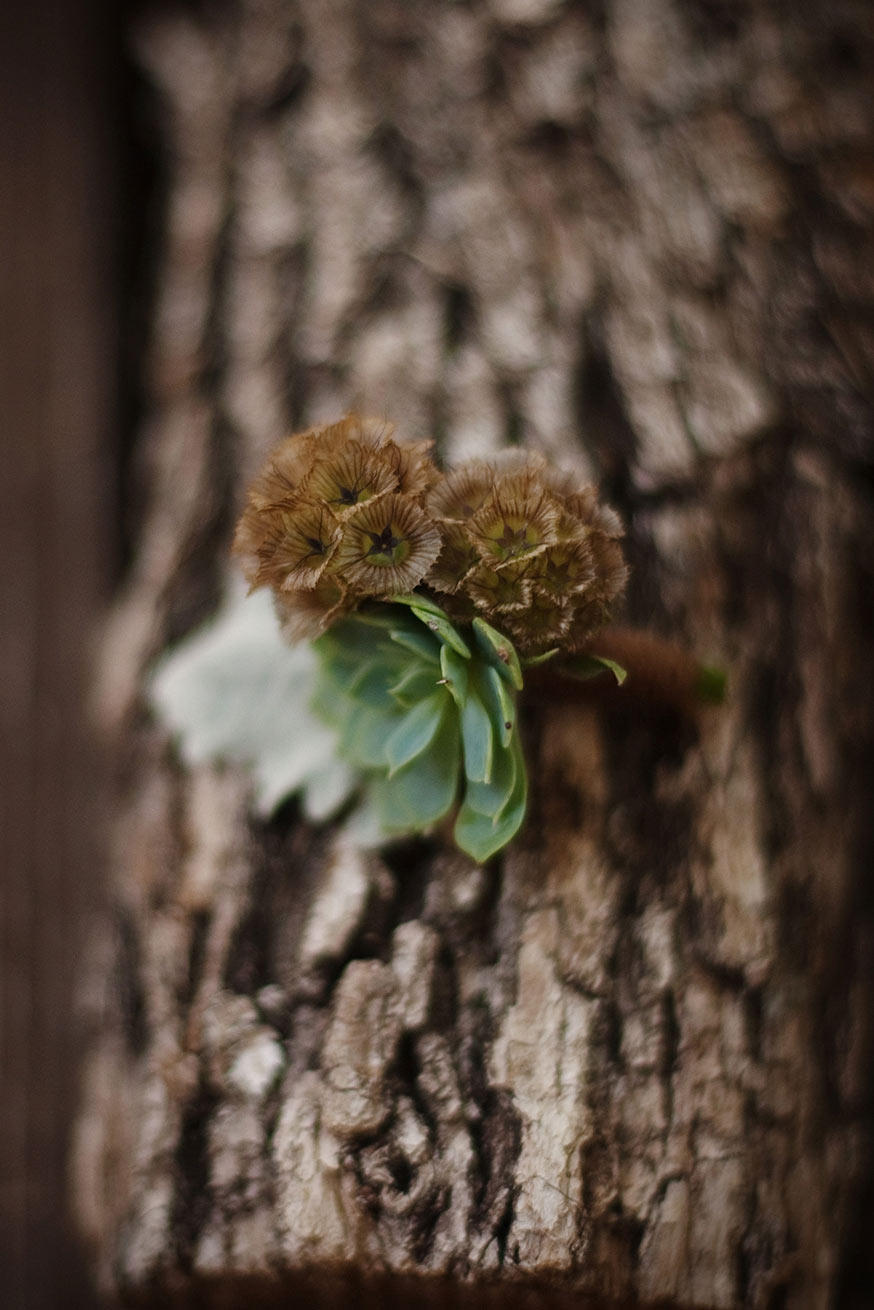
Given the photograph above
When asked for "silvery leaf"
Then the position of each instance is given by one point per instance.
(236, 691)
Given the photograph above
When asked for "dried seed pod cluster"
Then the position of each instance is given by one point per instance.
(336, 517)
(528, 549)
(344, 513)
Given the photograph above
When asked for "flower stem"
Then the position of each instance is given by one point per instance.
(660, 672)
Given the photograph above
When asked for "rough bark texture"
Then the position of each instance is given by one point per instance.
(632, 1058)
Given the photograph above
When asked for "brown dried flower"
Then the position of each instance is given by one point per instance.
(349, 477)
(302, 540)
(343, 513)
(546, 622)
(387, 548)
(516, 521)
(305, 615)
(334, 517)
(499, 591)
(457, 557)
(528, 546)
(461, 491)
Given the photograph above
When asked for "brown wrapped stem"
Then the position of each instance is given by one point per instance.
(660, 673)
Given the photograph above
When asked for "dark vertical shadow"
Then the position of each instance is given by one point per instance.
(59, 295)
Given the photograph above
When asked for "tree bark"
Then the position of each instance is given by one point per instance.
(631, 1058)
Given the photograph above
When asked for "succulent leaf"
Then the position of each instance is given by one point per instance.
(499, 651)
(590, 666)
(435, 620)
(498, 700)
(491, 798)
(456, 673)
(532, 661)
(420, 714)
(443, 629)
(476, 736)
(416, 731)
(364, 733)
(415, 683)
(373, 685)
(424, 791)
(414, 601)
(482, 835)
(418, 643)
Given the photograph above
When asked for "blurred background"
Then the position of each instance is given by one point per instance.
(72, 212)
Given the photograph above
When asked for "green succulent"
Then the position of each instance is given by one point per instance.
(428, 718)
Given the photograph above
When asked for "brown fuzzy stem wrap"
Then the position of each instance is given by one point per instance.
(660, 673)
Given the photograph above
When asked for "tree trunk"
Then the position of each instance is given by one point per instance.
(632, 1057)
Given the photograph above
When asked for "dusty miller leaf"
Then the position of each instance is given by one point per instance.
(236, 691)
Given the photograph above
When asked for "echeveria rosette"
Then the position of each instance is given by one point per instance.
(429, 719)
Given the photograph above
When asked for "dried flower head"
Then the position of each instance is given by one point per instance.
(528, 546)
(302, 541)
(282, 475)
(413, 466)
(546, 622)
(461, 491)
(387, 547)
(305, 615)
(347, 477)
(334, 517)
(515, 521)
(457, 557)
(499, 591)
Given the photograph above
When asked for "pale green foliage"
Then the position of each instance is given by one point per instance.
(391, 705)
(429, 719)
(589, 666)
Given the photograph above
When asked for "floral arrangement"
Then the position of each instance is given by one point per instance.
(344, 514)
(416, 601)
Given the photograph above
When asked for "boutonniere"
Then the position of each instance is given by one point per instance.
(410, 606)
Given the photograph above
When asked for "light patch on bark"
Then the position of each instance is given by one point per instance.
(315, 1209)
(335, 916)
(359, 1045)
(540, 1056)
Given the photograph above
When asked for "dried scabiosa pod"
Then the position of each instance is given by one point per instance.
(529, 545)
(335, 517)
(429, 599)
